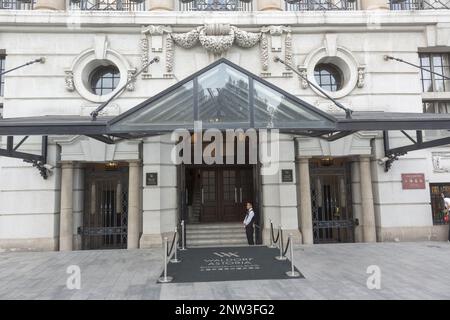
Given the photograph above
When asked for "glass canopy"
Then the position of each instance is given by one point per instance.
(222, 95)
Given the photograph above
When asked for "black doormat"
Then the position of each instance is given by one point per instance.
(229, 264)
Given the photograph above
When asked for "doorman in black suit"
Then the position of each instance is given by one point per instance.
(248, 223)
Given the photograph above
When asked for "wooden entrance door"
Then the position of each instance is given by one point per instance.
(209, 195)
(228, 204)
(224, 191)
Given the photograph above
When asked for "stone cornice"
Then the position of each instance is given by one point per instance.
(366, 20)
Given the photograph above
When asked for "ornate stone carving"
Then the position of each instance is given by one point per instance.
(216, 44)
(441, 161)
(288, 50)
(264, 52)
(156, 30)
(186, 40)
(70, 86)
(144, 50)
(246, 39)
(217, 29)
(169, 54)
(156, 33)
(361, 76)
(276, 30)
(130, 76)
(275, 33)
(304, 72)
(217, 38)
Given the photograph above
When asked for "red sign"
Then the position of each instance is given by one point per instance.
(413, 181)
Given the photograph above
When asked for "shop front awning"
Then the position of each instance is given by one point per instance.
(225, 96)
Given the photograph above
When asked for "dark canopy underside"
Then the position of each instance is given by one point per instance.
(223, 96)
(76, 125)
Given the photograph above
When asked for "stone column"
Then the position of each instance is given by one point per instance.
(50, 5)
(368, 211)
(356, 200)
(269, 5)
(78, 204)
(305, 201)
(66, 213)
(133, 204)
(374, 4)
(161, 5)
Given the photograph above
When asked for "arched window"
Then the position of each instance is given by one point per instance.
(328, 76)
(104, 79)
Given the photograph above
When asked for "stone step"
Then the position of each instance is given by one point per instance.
(213, 226)
(230, 235)
(213, 242)
(213, 232)
(220, 245)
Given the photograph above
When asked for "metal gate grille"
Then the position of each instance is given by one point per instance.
(105, 210)
(331, 205)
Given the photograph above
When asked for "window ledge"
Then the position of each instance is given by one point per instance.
(435, 96)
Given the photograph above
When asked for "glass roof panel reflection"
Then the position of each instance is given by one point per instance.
(223, 95)
(275, 110)
(173, 109)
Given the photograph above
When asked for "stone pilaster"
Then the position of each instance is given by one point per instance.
(50, 5)
(305, 200)
(161, 5)
(374, 5)
(269, 5)
(134, 204)
(66, 213)
(368, 211)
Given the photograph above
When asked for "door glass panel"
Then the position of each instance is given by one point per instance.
(330, 201)
(229, 185)
(105, 209)
(209, 185)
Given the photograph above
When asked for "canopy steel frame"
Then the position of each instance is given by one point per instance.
(392, 154)
(37, 160)
(329, 127)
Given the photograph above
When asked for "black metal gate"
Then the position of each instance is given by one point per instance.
(105, 208)
(437, 203)
(331, 204)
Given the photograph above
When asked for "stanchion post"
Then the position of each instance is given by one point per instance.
(281, 257)
(272, 244)
(292, 273)
(175, 258)
(183, 237)
(165, 278)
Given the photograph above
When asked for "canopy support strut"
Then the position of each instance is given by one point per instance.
(37, 160)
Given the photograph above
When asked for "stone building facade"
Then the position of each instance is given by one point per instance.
(339, 191)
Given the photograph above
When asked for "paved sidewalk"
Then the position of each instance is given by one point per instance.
(335, 271)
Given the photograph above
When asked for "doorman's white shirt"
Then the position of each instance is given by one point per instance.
(447, 203)
(249, 217)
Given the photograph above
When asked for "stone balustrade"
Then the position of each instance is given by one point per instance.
(260, 5)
